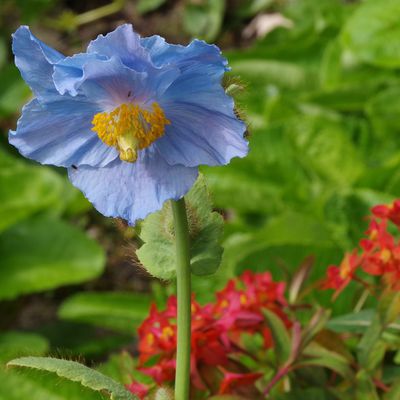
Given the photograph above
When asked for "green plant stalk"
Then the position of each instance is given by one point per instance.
(182, 377)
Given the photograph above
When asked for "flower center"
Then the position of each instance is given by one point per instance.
(130, 128)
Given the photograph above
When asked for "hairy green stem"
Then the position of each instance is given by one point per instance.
(182, 377)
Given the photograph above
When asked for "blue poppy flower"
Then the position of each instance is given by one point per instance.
(131, 119)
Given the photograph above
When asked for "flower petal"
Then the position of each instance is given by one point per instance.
(124, 43)
(201, 85)
(110, 83)
(59, 133)
(35, 61)
(68, 73)
(198, 51)
(199, 136)
(204, 128)
(133, 190)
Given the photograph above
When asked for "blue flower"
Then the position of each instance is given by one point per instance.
(131, 119)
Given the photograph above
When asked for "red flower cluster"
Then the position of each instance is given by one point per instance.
(217, 330)
(380, 253)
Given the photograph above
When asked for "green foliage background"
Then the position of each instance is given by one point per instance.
(322, 100)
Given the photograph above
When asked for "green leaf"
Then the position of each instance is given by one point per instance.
(44, 253)
(280, 335)
(232, 188)
(32, 10)
(316, 355)
(365, 388)
(358, 323)
(204, 19)
(25, 190)
(145, 6)
(76, 372)
(353, 323)
(13, 91)
(383, 109)
(329, 72)
(389, 307)
(249, 8)
(371, 349)
(299, 279)
(305, 394)
(394, 392)
(122, 367)
(289, 237)
(373, 33)
(3, 52)
(206, 227)
(73, 339)
(16, 344)
(118, 311)
(314, 326)
(262, 71)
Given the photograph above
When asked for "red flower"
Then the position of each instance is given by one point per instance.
(240, 310)
(216, 332)
(232, 381)
(163, 371)
(138, 389)
(380, 253)
(391, 212)
(158, 339)
(339, 277)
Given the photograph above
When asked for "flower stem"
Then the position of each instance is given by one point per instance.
(182, 377)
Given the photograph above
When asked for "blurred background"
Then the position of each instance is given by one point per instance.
(320, 89)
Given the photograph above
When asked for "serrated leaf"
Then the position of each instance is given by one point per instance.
(118, 311)
(43, 253)
(206, 227)
(280, 335)
(162, 393)
(76, 372)
(34, 385)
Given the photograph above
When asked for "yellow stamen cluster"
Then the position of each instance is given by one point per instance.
(150, 339)
(167, 333)
(345, 268)
(130, 128)
(385, 255)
